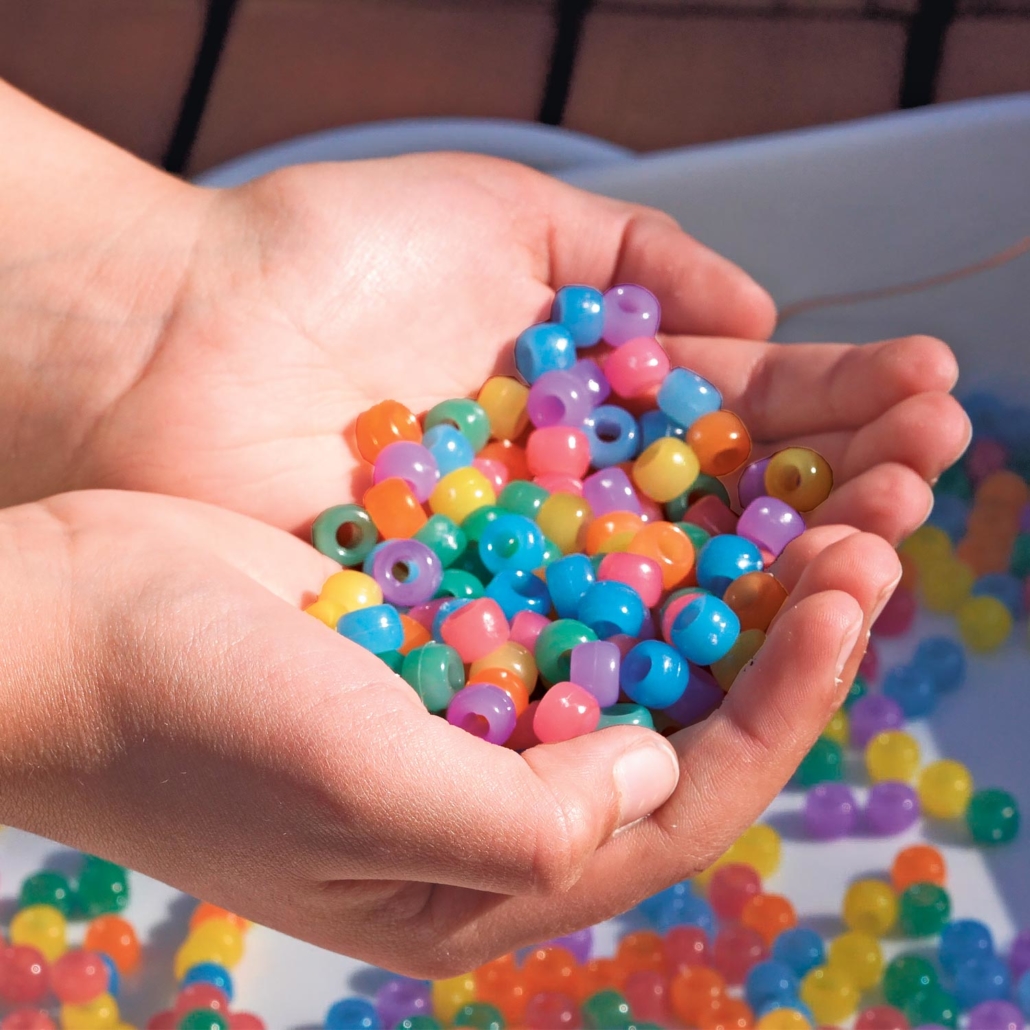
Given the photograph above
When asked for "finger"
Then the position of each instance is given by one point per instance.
(783, 391)
(803, 550)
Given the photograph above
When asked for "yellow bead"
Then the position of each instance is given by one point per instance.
(945, 584)
(984, 622)
(859, 957)
(830, 994)
(870, 906)
(351, 590)
(327, 612)
(800, 477)
(926, 544)
(838, 729)
(563, 518)
(744, 648)
(783, 1019)
(452, 995)
(504, 401)
(665, 469)
(893, 755)
(214, 940)
(41, 927)
(759, 845)
(460, 493)
(511, 656)
(99, 1014)
(945, 788)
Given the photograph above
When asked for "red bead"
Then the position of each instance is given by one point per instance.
(78, 976)
(201, 996)
(735, 950)
(27, 1019)
(897, 615)
(869, 667)
(732, 887)
(166, 1020)
(550, 969)
(245, 1021)
(551, 1010)
(648, 995)
(882, 1017)
(711, 515)
(685, 946)
(24, 976)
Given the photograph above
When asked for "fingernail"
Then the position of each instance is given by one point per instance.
(884, 597)
(847, 645)
(645, 778)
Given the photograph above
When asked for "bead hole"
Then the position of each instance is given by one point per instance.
(606, 629)
(789, 479)
(508, 548)
(608, 432)
(689, 615)
(628, 304)
(348, 535)
(552, 409)
(401, 571)
(638, 667)
(477, 725)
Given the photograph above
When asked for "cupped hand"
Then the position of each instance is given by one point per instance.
(177, 712)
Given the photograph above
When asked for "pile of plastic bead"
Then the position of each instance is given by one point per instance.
(560, 555)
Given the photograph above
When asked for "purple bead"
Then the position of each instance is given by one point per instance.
(629, 312)
(400, 998)
(407, 571)
(558, 399)
(1019, 955)
(995, 1015)
(580, 943)
(595, 667)
(752, 482)
(647, 627)
(702, 696)
(770, 524)
(610, 490)
(891, 808)
(830, 811)
(484, 711)
(1024, 518)
(411, 462)
(872, 714)
(597, 382)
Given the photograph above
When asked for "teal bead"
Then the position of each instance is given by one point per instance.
(203, 1019)
(955, 481)
(435, 673)
(418, 1023)
(459, 583)
(393, 659)
(551, 552)
(859, 688)
(703, 486)
(923, 910)
(553, 652)
(467, 416)
(625, 715)
(1019, 563)
(103, 887)
(906, 976)
(698, 536)
(596, 560)
(606, 1010)
(931, 1007)
(444, 537)
(47, 888)
(523, 498)
(477, 522)
(469, 561)
(345, 533)
(824, 763)
(992, 816)
(480, 1016)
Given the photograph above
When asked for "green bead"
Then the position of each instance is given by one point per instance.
(606, 1010)
(418, 1023)
(554, 646)
(905, 977)
(703, 486)
(459, 583)
(923, 909)
(824, 763)
(933, 1007)
(992, 816)
(203, 1019)
(625, 715)
(469, 561)
(47, 888)
(435, 673)
(595, 560)
(955, 481)
(1019, 563)
(551, 552)
(481, 1016)
(474, 526)
(345, 533)
(444, 537)
(103, 887)
(859, 688)
(698, 536)
(466, 416)
(392, 659)
(523, 498)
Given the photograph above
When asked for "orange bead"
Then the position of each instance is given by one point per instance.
(720, 441)
(670, 547)
(769, 915)
(640, 952)
(385, 423)
(744, 648)
(117, 939)
(510, 455)
(551, 969)
(984, 556)
(909, 571)
(727, 1013)
(755, 597)
(394, 509)
(511, 684)
(692, 992)
(918, 864)
(500, 983)
(1003, 488)
(612, 532)
(415, 634)
(205, 910)
(599, 974)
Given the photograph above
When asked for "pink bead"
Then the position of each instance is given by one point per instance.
(526, 627)
(560, 483)
(732, 886)
(27, 1019)
(897, 615)
(624, 643)
(650, 511)
(869, 667)
(476, 629)
(637, 366)
(524, 736)
(166, 1020)
(558, 449)
(635, 570)
(201, 996)
(685, 947)
(672, 609)
(984, 457)
(245, 1021)
(424, 614)
(24, 976)
(648, 995)
(711, 515)
(78, 976)
(496, 472)
(567, 710)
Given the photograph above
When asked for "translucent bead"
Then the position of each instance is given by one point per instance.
(800, 477)
(870, 907)
(625, 715)
(665, 469)
(209, 973)
(394, 509)
(736, 949)
(799, 948)
(923, 909)
(550, 1010)
(982, 979)
(376, 628)
(830, 994)
(641, 573)
(475, 629)
(522, 498)
(567, 581)
(24, 974)
(78, 977)
(933, 1006)
(407, 572)
(590, 372)
(770, 523)
(724, 559)
(769, 914)
(881, 1017)
(665, 544)
(646, 993)
(838, 729)
(771, 981)
(558, 399)
(721, 442)
(411, 462)
(545, 347)
(907, 976)
(919, 863)
(435, 672)
(449, 448)
(613, 436)
(508, 454)
(984, 623)
(555, 645)
(751, 484)
(345, 533)
(450, 995)
(42, 927)
(567, 710)
(467, 416)
(992, 816)
(873, 715)
(859, 957)
(944, 585)
(913, 689)
(759, 845)
(891, 808)
(892, 755)
(595, 666)
(996, 1014)
(444, 537)
(383, 424)
(692, 990)
(27, 1019)
(352, 1014)
(702, 697)
(705, 630)
(731, 887)
(610, 608)
(115, 937)
(400, 998)
(350, 590)
(655, 424)
(512, 542)
(945, 788)
(563, 518)
(516, 591)
(745, 647)
(637, 367)
(580, 309)
(484, 710)
(712, 515)
(783, 1019)
(685, 397)
(460, 493)
(630, 312)
(99, 1014)
(685, 947)
(755, 597)
(559, 449)
(831, 812)
(653, 674)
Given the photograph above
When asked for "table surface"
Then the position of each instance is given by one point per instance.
(858, 207)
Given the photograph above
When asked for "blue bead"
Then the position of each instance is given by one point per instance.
(944, 660)
(512, 542)
(568, 579)
(962, 940)
(684, 396)
(613, 434)
(610, 607)
(913, 688)
(1005, 587)
(687, 910)
(705, 630)
(1022, 993)
(625, 715)
(579, 309)
(114, 983)
(1013, 428)
(653, 674)
(352, 1014)
(545, 347)
(449, 447)
(209, 973)
(799, 948)
(517, 591)
(651, 908)
(366, 565)
(985, 411)
(655, 424)
(447, 608)
(951, 514)
(726, 558)
(771, 980)
(981, 979)
(376, 628)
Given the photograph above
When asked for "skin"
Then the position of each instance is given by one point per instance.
(167, 704)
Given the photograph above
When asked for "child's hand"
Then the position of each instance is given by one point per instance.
(175, 710)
